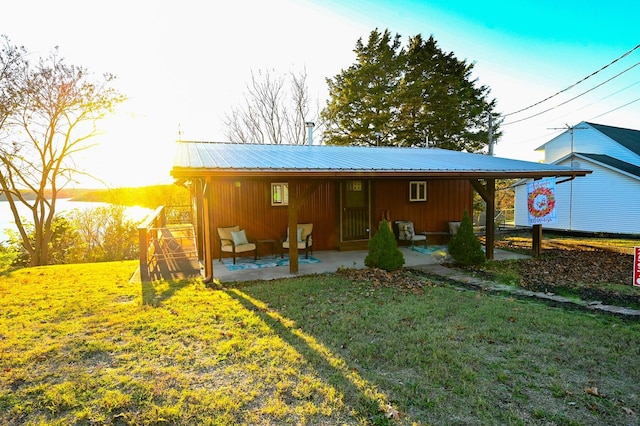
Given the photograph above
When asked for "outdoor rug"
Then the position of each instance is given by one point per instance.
(270, 262)
(426, 250)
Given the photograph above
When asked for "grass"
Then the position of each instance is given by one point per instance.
(79, 344)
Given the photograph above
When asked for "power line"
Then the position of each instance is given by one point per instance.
(576, 83)
(575, 97)
(599, 100)
(615, 109)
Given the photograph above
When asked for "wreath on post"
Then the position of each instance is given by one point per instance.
(541, 202)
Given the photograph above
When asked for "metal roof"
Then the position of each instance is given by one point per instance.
(629, 138)
(620, 165)
(212, 158)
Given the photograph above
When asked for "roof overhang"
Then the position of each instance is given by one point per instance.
(187, 173)
(235, 161)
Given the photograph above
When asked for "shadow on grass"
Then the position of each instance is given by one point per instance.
(363, 397)
(156, 292)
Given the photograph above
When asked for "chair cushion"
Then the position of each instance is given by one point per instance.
(406, 231)
(239, 237)
(301, 244)
(303, 230)
(225, 233)
(239, 249)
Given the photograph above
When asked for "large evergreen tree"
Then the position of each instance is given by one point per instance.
(397, 97)
(363, 106)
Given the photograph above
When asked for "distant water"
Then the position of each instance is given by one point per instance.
(62, 205)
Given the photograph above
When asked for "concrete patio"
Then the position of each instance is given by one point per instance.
(331, 260)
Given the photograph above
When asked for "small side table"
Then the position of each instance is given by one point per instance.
(262, 243)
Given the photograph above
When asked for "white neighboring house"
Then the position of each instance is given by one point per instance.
(607, 200)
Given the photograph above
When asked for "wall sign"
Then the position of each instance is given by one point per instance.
(636, 266)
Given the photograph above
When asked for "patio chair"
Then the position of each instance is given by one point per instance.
(303, 237)
(406, 232)
(234, 240)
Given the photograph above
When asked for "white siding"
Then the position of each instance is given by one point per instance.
(586, 140)
(604, 201)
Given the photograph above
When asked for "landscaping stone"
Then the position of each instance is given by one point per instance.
(491, 286)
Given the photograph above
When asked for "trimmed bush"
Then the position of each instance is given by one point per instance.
(383, 250)
(464, 247)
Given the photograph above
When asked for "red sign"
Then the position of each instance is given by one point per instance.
(636, 266)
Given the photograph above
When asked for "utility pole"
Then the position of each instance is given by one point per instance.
(491, 143)
(571, 129)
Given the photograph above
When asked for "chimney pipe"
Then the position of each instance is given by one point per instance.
(310, 125)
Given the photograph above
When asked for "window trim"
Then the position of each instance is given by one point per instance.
(419, 188)
(283, 199)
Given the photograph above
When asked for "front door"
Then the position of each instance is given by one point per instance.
(354, 202)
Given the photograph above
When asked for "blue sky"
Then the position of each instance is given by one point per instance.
(185, 64)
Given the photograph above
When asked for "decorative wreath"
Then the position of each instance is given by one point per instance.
(540, 207)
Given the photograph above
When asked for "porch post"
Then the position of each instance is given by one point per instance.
(536, 238)
(292, 226)
(206, 222)
(488, 194)
(490, 223)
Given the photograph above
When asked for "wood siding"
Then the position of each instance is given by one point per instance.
(446, 202)
(247, 203)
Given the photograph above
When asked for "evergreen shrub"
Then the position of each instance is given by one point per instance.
(464, 247)
(383, 250)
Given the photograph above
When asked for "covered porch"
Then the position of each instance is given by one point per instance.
(171, 255)
(267, 189)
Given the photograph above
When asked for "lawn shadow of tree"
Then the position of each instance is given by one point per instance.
(361, 396)
(156, 292)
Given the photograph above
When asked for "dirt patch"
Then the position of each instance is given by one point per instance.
(402, 280)
(563, 267)
(591, 274)
(589, 270)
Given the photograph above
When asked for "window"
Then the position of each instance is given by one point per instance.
(279, 194)
(354, 185)
(418, 191)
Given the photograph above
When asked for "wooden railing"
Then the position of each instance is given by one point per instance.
(167, 231)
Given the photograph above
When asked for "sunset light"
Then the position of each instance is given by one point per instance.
(183, 68)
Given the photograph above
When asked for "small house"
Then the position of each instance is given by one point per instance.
(606, 201)
(344, 191)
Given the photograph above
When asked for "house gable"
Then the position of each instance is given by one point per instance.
(628, 138)
(617, 143)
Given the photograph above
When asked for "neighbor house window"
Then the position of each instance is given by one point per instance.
(418, 191)
(279, 194)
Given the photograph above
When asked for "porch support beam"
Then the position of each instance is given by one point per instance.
(488, 194)
(207, 232)
(536, 238)
(295, 202)
(292, 226)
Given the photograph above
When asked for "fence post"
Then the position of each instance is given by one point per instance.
(143, 248)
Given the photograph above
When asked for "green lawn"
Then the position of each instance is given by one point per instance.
(79, 344)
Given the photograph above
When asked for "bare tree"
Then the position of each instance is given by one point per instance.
(55, 114)
(274, 111)
(13, 64)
